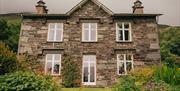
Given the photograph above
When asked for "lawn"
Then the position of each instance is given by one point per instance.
(86, 89)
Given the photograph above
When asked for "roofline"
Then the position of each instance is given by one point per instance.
(84, 1)
(134, 15)
(65, 16)
(49, 16)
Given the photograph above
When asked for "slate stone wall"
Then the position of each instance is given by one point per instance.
(145, 44)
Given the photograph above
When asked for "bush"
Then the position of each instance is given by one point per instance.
(8, 59)
(126, 83)
(156, 85)
(142, 75)
(170, 75)
(70, 73)
(27, 81)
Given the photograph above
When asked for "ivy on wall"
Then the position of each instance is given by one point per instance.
(70, 72)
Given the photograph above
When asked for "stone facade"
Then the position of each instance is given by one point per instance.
(144, 45)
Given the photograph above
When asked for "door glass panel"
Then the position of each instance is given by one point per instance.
(121, 68)
(92, 72)
(85, 78)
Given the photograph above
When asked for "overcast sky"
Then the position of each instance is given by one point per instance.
(170, 8)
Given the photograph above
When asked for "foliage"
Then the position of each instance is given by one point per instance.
(126, 83)
(10, 34)
(156, 85)
(142, 75)
(171, 40)
(170, 46)
(70, 73)
(27, 81)
(8, 61)
(170, 75)
(86, 89)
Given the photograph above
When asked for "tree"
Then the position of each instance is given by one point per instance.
(8, 61)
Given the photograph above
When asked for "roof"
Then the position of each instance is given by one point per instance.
(94, 1)
(79, 5)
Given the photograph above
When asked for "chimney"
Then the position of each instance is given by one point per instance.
(41, 8)
(138, 8)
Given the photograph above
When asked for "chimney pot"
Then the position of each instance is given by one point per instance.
(41, 8)
(138, 8)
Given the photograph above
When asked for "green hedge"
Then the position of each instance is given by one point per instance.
(27, 81)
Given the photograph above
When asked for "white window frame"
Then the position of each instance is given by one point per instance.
(124, 61)
(52, 65)
(123, 30)
(55, 30)
(89, 61)
(89, 34)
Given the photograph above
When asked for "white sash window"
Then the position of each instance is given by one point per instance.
(55, 32)
(89, 32)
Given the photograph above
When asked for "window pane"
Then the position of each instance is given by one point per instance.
(93, 26)
(48, 67)
(121, 57)
(120, 35)
(86, 34)
(92, 72)
(86, 25)
(128, 66)
(51, 35)
(52, 26)
(120, 25)
(85, 78)
(126, 25)
(59, 26)
(121, 68)
(56, 69)
(126, 35)
(58, 35)
(128, 57)
(57, 56)
(93, 35)
(49, 56)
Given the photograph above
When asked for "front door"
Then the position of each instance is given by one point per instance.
(89, 70)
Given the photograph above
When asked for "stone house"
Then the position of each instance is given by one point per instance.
(105, 44)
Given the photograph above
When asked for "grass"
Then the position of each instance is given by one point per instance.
(86, 89)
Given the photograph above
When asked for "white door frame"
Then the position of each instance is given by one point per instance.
(89, 62)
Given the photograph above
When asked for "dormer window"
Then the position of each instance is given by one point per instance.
(55, 32)
(89, 32)
(123, 32)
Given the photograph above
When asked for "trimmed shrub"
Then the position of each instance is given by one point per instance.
(27, 81)
(8, 60)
